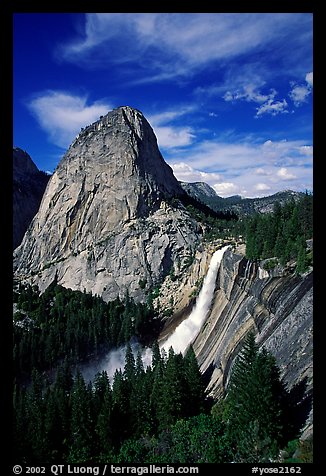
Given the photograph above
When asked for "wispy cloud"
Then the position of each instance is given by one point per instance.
(226, 189)
(167, 45)
(247, 168)
(284, 174)
(61, 114)
(262, 187)
(300, 92)
(171, 135)
(186, 173)
(250, 93)
(272, 107)
(309, 78)
(245, 84)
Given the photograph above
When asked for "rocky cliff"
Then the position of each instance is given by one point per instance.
(277, 307)
(28, 188)
(109, 222)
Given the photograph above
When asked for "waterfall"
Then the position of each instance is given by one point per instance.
(247, 269)
(184, 334)
(187, 331)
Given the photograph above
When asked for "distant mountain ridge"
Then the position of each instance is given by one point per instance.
(243, 206)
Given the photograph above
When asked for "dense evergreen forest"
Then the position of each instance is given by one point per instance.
(155, 414)
(282, 234)
(61, 323)
(158, 414)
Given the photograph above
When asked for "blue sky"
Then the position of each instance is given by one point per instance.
(229, 95)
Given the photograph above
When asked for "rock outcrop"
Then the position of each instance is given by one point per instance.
(199, 190)
(29, 184)
(277, 307)
(109, 221)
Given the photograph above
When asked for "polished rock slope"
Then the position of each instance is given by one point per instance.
(277, 306)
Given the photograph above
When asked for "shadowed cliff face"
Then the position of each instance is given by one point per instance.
(277, 308)
(28, 188)
(105, 222)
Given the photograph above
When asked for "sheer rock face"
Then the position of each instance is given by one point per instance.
(106, 221)
(28, 188)
(277, 307)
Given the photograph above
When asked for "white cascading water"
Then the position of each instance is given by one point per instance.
(184, 334)
(187, 331)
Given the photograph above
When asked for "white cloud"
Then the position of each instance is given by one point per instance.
(262, 187)
(301, 92)
(262, 171)
(186, 173)
(215, 156)
(309, 78)
(173, 44)
(240, 82)
(306, 150)
(169, 135)
(285, 175)
(225, 189)
(248, 168)
(272, 107)
(245, 84)
(169, 115)
(61, 114)
(249, 93)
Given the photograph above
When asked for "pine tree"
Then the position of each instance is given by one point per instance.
(306, 216)
(20, 423)
(195, 388)
(104, 423)
(255, 398)
(130, 366)
(35, 417)
(171, 400)
(62, 388)
(156, 355)
(120, 408)
(140, 417)
(279, 247)
(251, 242)
(81, 427)
(302, 263)
(53, 433)
(101, 386)
(156, 376)
(64, 378)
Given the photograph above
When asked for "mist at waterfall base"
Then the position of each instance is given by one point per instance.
(184, 334)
